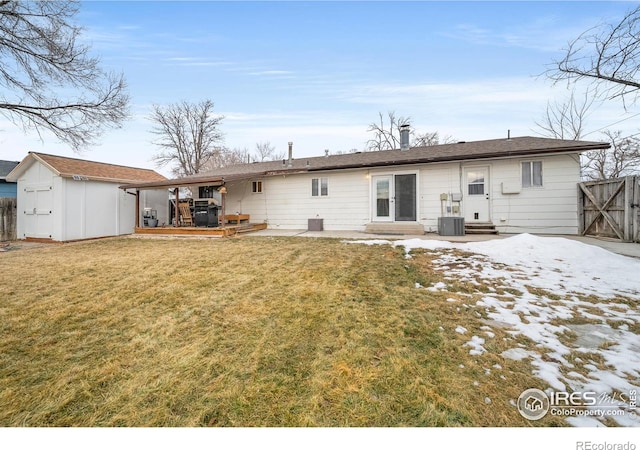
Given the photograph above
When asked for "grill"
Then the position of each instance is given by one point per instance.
(205, 214)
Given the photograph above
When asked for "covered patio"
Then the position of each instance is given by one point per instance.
(183, 222)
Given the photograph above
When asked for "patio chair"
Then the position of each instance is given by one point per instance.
(185, 214)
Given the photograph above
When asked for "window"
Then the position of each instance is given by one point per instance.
(532, 174)
(319, 187)
(256, 187)
(475, 183)
(207, 191)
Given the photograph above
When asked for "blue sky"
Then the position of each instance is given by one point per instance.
(317, 73)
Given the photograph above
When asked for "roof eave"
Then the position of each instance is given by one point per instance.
(194, 181)
(456, 158)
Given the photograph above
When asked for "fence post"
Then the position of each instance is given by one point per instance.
(580, 210)
(635, 210)
(627, 225)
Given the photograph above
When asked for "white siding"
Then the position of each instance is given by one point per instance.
(286, 202)
(437, 179)
(94, 209)
(550, 209)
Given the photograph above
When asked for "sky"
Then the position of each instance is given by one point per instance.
(318, 73)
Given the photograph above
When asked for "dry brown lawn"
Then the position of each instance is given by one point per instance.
(248, 331)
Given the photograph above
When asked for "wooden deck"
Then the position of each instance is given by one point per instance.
(229, 230)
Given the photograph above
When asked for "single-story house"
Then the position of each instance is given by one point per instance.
(7, 188)
(519, 184)
(65, 199)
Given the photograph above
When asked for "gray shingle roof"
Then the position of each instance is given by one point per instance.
(520, 146)
(6, 167)
(461, 151)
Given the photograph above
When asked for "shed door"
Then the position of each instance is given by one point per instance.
(38, 221)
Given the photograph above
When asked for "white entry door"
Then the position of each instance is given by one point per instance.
(476, 200)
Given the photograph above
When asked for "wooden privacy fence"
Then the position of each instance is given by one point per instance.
(610, 208)
(8, 217)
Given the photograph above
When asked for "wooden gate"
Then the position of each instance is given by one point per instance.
(610, 208)
(7, 219)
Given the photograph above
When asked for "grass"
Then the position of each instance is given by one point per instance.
(244, 332)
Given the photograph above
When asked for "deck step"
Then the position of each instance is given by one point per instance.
(480, 228)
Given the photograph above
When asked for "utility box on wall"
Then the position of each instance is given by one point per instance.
(315, 225)
(451, 226)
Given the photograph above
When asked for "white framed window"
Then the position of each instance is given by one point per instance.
(531, 174)
(256, 187)
(207, 191)
(319, 187)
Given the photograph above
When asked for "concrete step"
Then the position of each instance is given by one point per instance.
(398, 228)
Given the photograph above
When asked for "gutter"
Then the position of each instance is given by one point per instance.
(509, 154)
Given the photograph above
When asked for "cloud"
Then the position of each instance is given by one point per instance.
(546, 33)
(201, 63)
(272, 72)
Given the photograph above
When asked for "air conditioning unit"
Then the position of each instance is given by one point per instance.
(451, 226)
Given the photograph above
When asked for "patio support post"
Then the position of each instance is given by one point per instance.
(177, 214)
(223, 194)
(137, 208)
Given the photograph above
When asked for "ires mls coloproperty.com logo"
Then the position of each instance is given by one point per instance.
(534, 404)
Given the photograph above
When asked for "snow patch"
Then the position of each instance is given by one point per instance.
(531, 285)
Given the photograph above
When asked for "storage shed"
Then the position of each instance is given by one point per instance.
(66, 199)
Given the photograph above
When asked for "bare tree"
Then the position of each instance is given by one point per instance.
(606, 57)
(188, 136)
(224, 157)
(50, 81)
(566, 120)
(386, 137)
(266, 152)
(430, 138)
(623, 158)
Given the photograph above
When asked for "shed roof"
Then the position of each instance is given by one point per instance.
(89, 170)
(461, 151)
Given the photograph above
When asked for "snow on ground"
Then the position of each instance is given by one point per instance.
(558, 282)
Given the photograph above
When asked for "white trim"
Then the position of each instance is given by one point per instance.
(531, 161)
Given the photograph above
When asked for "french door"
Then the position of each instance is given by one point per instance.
(394, 198)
